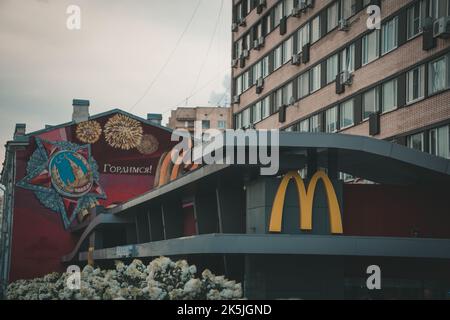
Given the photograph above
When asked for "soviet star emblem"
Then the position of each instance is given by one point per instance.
(64, 177)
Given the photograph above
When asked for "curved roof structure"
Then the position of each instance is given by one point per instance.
(375, 160)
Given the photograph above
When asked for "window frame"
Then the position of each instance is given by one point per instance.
(334, 112)
(376, 102)
(392, 24)
(383, 92)
(365, 47)
(421, 84)
(351, 104)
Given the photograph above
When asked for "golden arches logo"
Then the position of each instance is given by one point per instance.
(306, 199)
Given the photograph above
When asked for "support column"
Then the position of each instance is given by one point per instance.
(312, 162)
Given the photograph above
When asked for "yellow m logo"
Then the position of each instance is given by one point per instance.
(306, 198)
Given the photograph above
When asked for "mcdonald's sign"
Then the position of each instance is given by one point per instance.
(306, 199)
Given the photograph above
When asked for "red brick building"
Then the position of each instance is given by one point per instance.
(315, 66)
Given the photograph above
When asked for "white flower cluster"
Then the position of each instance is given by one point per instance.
(162, 279)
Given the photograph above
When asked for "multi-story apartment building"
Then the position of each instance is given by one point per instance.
(211, 118)
(323, 66)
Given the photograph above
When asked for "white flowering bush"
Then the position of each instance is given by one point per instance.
(162, 279)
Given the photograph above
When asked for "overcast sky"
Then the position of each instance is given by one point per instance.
(112, 61)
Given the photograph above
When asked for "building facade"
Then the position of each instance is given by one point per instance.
(104, 188)
(59, 178)
(211, 118)
(312, 239)
(315, 66)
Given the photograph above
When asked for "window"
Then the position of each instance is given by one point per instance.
(332, 68)
(277, 58)
(370, 47)
(389, 36)
(267, 23)
(416, 142)
(415, 82)
(302, 38)
(315, 123)
(288, 6)
(278, 99)
(370, 103)
(304, 126)
(346, 114)
(287, 93)
(238, 11)
(257, 71)
(315, 29)
(303, 85)
(265, 66)
(389, 95)
(348, 8)
(245, 84)
(189, 124)
(315, 78)
(238, 121)
(438, 75)
(439, 8)
(258, 31)
(331, 118)
(246, 118)
(440, 142)
(348, 59)
(206, 124)
(238, 85)
(332, 16)
(221, 124)
(278, 14)
(415, 19)
(287, 50)
(265, 107)
(256, 112)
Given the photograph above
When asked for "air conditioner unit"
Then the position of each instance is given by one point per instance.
(245, 53)
(260, 82)
(236, 99)
(296, 59)
(234, 27)
(291, 101)
(305, 4)
(346, 78)
(296, 12)
(258, 43)
(344, 25)
(259, 85)
(261, 41)
(441, 28)
(234, 63)
(241, 62)
(242, 23)
(260, 6)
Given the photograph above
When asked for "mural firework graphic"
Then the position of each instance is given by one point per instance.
(89, 132)
(122, 132)
(149, 144)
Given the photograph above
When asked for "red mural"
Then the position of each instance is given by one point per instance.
(124, 155)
